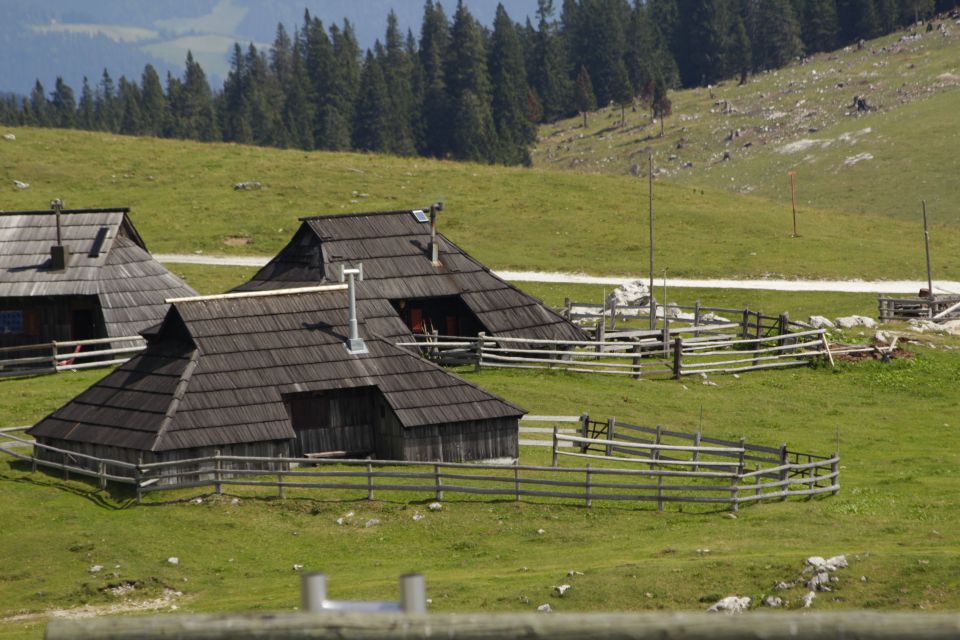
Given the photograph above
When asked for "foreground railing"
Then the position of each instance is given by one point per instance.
(69, 355)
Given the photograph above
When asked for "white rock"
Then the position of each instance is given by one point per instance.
(340, 521)
(730, 605)
(197, 500)
(849, 322)
(819, 322)
(545, 608)
(235, 501)
(773, 601)
(880, 337)
(816, 562)
(808, 599)
(417, 517)
(297, 567)
(780, 586)
(173, 560)
(631, 294)
(819, 581)
(9, 136)
(541, 531)
(574, 573)
(435, 506)
(837, 562)
(372, 522)
(561, 589)
(97, 568)
(21, 185)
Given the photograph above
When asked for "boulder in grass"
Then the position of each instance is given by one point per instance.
(849, 322)
(631, 294)
(730, 605)
(819, 322)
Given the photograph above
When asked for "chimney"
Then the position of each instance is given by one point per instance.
(59, 254)
(355, 343)
(434, 247)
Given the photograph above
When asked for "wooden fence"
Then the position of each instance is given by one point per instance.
(937, 308)
(70, 355)
(724, 483)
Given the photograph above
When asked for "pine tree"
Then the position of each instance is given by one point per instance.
(38, 113)
(397, 70)
(197, 119)
(337, 105)
(85, 108)
(473, 136)
(741, 51)
(704, 31)
(435, 109)
(106, 109)
(660, 103)
(515, 132)
(63, 106)
(776, 38)
(586, 101)
(235, 118)
(820, 27)
(550, 81)
(128, 98)
(298, 116)
(153, 104)
(371, 129)
(858, 19)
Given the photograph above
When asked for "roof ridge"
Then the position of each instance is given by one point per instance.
(259, 294)
(179, 392)
(357, 214)
(34, 212)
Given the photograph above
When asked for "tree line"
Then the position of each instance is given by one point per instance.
(462, 90)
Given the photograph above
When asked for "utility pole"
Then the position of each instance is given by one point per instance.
(653, 304)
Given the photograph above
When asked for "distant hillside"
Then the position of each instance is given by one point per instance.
(183, 200)
(63, 37)
(802, 118)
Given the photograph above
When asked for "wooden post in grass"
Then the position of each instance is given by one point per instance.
(793, 201)
(438, 482)
(588, 487)
(516, 479)
(757, 476)
(369, 481)
(480, 340)
(735, 490)
(677, 357)
(567, 308)
(660, 494)
(218, 487)
(926, 244)
(584, 427)
(696, 452)
(783, 471)
(102, 471)
(745, 324)
(636, 361)
(610, 427)
(136, 478)
(555, 443)
(601, 334)
(835, 469)
(281, 490)
(696, 318)
(655, 452)
(66, 471)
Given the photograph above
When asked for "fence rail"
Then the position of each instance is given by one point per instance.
(70, 355)
(668, 478)
(939, 307)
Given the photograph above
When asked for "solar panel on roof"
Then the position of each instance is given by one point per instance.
(420, 215)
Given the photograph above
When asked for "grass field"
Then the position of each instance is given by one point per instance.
(895, 516)
(182, 200)
(799, 119)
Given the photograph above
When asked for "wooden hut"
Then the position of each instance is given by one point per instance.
(78, 274)
(276, 374)
(431, 283)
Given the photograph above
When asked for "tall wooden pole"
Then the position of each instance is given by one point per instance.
(653, 305)
(926, 244)
(793, 200)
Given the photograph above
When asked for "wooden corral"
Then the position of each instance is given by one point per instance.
(269, 374)
(77, 274)
(937, 308)
(453, 295)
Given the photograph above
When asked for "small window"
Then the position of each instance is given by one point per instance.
(11, 321)
(420, 215)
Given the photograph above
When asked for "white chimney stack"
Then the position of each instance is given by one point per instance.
(434, 247)
(355, 343)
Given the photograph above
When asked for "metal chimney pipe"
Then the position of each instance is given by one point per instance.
(355, 343)
(434, 248)
(57, 206)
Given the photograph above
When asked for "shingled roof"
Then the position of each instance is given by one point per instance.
(217, 371)
(394, 249)
(108, 259)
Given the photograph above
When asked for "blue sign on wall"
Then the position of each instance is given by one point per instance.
(11, 321)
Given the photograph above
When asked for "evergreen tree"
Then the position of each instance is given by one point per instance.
(63, 106)
(337, 104)
(85, 108)
(741, 52)
(705, 29)
(586, 101)
(858, 19)
(888, 14)
(914, 10)
(664, 17)
(173, 125)
(262, 98)
(469, 90)
(235, 119)
(550, 80)
(397, 70)
(197, 118)
(153, 104)
(776, 38)
(298, 114)
(660, 103)
(515, 132)
(820, 27)
(372, 126)
(105, 108)
(38, 113)
(128, 98)
(435, 109)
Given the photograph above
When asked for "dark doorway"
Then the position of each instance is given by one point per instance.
(82, 324)
(448, 316)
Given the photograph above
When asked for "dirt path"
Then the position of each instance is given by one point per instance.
(844, 286)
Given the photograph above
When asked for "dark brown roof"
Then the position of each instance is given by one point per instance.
(217, 372)
(107, 259)
(394, 249)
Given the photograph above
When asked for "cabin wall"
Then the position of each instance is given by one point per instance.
(43, 319)
(342, 420)
(173, 475)
(462, 441)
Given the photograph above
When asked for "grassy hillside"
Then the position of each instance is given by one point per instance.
(801, 119)
(894, 516)
(183, 201)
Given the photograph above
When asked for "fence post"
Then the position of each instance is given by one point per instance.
(413, 593)
(759, 331)
(567, 308)
(313, 592)
(734, 491)
(666, 333)
(53, 355)
(369, 481)
(584, 426)
(103, 474)
(696, 452)
(554, 445)
(516, 478)
(610, 427)
(745, 324)
(835, 470)
(655, 452)
(696, 318)
(218, 487)
(660, 493)
(66, 471)
(613, 314)
(784, 320)
(757, 469)
(435, 349)
(281, 490)
(783, 471)
(438, 482)
(677, 357)
(588, 487)
(636, 361)
(480, 338)
(136, 478)
(601, 334)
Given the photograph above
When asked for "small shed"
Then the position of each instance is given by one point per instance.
(431, 283)
(276, 374)
(77, 274)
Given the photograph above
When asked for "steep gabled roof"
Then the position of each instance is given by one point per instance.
(394, 249)
(108, 258)
(218, 370)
